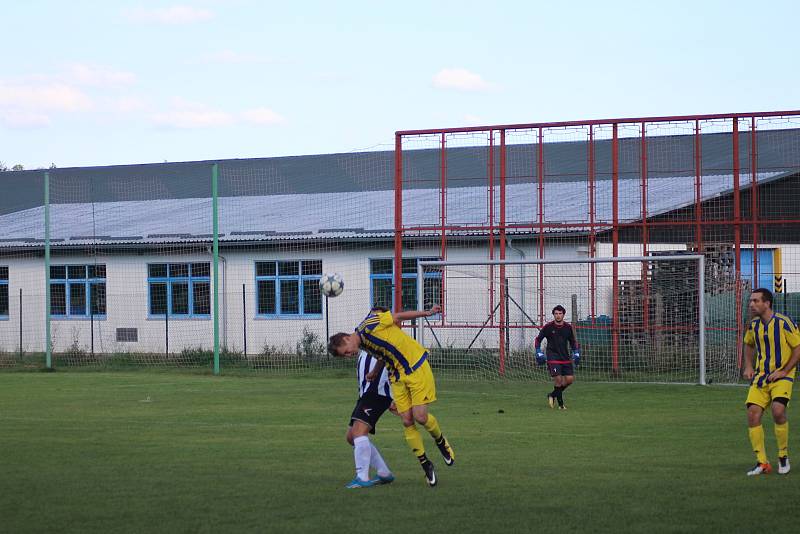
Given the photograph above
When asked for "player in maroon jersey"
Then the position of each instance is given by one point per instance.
(561, 352)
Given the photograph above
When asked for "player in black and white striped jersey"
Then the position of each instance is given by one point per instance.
(374, 398)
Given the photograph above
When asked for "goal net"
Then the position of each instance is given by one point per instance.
(636, 319)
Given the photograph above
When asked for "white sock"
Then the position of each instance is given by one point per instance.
(376, 460)
(362, 452)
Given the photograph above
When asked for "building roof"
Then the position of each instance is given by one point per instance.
(350, 196)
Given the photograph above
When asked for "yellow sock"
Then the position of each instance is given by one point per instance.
(782, 436)
(432, 426)
(757, 441)
(414, 440)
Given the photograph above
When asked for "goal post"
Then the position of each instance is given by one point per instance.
(639, 319)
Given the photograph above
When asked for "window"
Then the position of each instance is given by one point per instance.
(180, 289)
(127, 335)
(288, 288)
(4, 292)
(766, 268)
(77, 291)
(381, 281)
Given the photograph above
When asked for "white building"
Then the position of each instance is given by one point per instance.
(131, 265)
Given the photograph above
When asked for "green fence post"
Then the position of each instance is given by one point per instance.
(215, 223)
(47, 340)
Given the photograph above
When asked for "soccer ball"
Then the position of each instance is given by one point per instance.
(331, 284)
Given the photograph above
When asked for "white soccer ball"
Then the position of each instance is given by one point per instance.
(331, 284)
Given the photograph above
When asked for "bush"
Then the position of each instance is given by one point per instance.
(310, 345)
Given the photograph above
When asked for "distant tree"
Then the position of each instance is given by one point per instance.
(3, 167)
(52, 166)
(17, 167)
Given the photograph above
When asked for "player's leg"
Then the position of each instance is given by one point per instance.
(567, 377)
(402, 400)
(558, 381)
(423, 391)
(555, 373)
(362, 422)
(361, 449)
(757, 401)
(376, 460)
(781, 392)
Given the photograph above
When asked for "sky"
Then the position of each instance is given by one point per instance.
(86, 83)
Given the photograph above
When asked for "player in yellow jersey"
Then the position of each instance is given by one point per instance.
(774, 340)
(412, 383)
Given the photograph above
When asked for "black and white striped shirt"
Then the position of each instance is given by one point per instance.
(379, 386)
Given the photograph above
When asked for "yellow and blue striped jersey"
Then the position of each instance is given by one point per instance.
(773, 342)
(382, 338)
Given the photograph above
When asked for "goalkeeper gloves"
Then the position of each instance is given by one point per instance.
(540, 357)
(576, 357)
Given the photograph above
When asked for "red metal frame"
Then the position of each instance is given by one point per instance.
(615, 245)
(598, 122)
(498, 227)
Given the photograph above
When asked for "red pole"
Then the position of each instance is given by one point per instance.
(491, 225)
(540, 172)
(398, 222)
(698, 188)
(503, 319)
(615, 245)
(443, 215)
(645, 283)
(754, 197)
(592, 272)
(737, 237)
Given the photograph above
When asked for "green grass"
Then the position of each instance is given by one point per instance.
(171, 452)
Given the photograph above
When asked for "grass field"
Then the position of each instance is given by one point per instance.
(175, 452)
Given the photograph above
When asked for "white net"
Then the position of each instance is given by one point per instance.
(635, 319)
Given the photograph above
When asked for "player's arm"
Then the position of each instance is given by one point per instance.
(541, 359)
(576, 349)
(399, 317)
(749, 350)
(748, 372)
(378, 367)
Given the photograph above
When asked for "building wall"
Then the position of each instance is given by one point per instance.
(128, 304)
(469, 298)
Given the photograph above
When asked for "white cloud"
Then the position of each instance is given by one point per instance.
(264, 116)
(98, 76)
(48, 96)
(170, 15)
(461, 80)
(24, 119)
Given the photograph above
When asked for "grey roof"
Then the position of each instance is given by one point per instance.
(336, 196)
(360, 215)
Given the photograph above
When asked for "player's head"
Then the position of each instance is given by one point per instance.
(760, 301)
(558, 313)
(343, 345)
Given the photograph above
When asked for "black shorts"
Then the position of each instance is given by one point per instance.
(560, 369)
(369, 409)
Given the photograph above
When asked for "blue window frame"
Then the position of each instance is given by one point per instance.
(4, 292)
(182, 290)
(381, 283)
(77, 291)
(288, 288)
(766, 269)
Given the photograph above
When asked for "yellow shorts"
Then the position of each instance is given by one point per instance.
(763, 396)
(415, 389)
